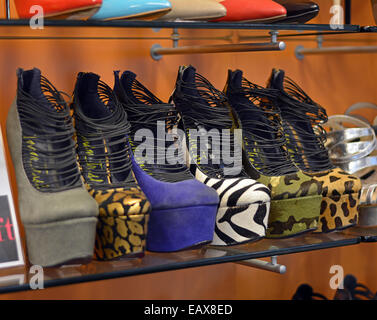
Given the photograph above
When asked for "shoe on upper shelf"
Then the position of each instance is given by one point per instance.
(194, 10)
(253, 11)
(58, 9)
(132, 9)
(298, 11)
(183, 209)
(302, 121)
(58, 214)
(214, 160)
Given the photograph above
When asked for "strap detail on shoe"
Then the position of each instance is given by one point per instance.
(145, 112)
(203, 108)
(302, 120)
(48, 150)
(102, 143)
(262, 129)
(345, 148)
(361, 105)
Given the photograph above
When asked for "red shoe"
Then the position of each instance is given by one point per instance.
(59, 9)
(252, 11)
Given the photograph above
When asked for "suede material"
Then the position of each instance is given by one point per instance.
(55, 243)
(42, 207)
(177, 229)
(165, 195)
(288, 221)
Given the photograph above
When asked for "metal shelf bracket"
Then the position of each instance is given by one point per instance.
(272, 266)
(158, 51)
(7, 9)
(301, 51)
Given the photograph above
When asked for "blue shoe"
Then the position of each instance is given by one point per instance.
(183, 209)
(123, 9)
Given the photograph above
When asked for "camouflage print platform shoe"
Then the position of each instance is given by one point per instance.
(105, 161)
(296, 197)
(302, 119)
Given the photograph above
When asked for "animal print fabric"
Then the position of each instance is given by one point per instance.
(122, 222)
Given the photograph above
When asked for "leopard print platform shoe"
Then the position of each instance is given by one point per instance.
(302, 120)
(295, 197)
(105, 161)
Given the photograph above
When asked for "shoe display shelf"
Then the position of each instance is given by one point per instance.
(18, 278)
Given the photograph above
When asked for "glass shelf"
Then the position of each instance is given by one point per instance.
(17, 279)
(182, 25)
(369, 29)
(366, 234)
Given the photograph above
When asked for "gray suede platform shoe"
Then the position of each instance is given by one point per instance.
(58, 214)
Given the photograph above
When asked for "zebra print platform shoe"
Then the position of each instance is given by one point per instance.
(244, 203)
(296, 197)
(183, 209)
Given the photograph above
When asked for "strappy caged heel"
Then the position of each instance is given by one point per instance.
(302, 122)
(104, 156)
(244, 203)
(183, 209)
(296, 197)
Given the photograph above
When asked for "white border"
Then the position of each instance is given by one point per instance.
(8, 192)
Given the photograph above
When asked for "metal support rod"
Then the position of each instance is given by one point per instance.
(274, 36)
(300, 51)
(175, 37)
(295, 36)
(157, 51)
(272, 266)
(319, 41)
(347, 11)
(7, 9)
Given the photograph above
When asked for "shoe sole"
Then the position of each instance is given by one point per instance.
(333, 219)
(74, 14)
(293, 217)
(299, 18)
(230, 236)
(121, 237)
(56, 243)
(177, 229)
(150, 15)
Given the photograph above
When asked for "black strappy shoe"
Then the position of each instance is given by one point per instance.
(302, 119)
(104, 155)
(244, 203)
(183, 209)
(305, 292)
(296, 197)
(58, 214)
(353, 290)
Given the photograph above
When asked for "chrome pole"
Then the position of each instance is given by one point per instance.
(7, 9)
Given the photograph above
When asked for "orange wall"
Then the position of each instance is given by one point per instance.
(335, 81)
